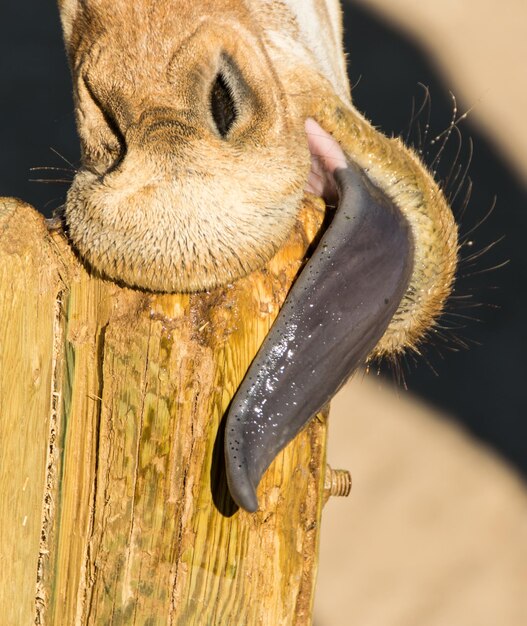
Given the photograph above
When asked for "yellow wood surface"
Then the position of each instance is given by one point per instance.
(114, 505)
(29, 284)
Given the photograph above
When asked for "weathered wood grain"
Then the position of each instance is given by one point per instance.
(115, 509)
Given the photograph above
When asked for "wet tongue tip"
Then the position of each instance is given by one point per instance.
(326, 157)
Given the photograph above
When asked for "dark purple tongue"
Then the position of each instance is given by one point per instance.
(334, 315)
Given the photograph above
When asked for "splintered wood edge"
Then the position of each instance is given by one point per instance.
(30, 273)
(49, 259)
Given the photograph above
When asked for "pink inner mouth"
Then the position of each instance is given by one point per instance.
(326, 157)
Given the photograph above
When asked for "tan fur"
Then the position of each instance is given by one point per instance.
(164, 203)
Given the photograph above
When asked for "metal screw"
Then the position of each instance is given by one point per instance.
(336, 483)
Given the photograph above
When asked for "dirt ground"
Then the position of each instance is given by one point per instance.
(435, 529)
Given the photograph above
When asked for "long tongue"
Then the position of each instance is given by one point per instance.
(332, 318)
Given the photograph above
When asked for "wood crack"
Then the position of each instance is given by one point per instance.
(52, 462)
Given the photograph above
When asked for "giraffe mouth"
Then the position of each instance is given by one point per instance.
(326, 157)
(334, 315)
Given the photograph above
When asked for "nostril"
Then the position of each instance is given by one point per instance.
(114, 127)
(105, 111)
(222, 105)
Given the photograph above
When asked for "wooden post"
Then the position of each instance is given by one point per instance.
(114, 506)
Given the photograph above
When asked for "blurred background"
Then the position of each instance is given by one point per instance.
(435, 531)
